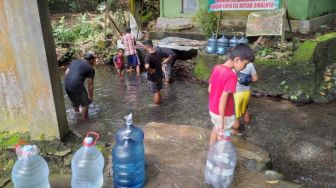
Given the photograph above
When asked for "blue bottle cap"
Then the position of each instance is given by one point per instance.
(88, 141)
(27, 151)
(227, 133)
(27, 148)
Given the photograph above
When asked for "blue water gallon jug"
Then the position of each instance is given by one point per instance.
(212, 44)
(128, 159)
(221, 163)
(233, 42)
(137, 133)
(222, 45)
(30, 170)
(243, 40)
(87, 164)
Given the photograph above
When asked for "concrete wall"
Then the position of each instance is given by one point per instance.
(173, 8)
(297, 9)
(307, 9)
(31, 97)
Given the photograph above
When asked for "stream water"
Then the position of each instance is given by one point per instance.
(300, 139)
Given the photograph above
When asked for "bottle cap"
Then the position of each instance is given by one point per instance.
(227, 133)
(26, 151)
(88, 141)
(129, 119)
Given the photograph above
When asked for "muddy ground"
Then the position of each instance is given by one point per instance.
(300, 139)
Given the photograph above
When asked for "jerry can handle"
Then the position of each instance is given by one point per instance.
(95, 141)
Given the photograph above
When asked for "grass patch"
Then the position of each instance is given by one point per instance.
(202, 71)
(305, 52)
(327, 37)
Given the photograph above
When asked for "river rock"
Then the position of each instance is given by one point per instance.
(254, 165)
(270, 56)
(273, 175)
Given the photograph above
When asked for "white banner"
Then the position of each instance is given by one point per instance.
(218, 5)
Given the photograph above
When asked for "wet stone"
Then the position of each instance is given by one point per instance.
(273, 175)
(5, 178)
(254, 165)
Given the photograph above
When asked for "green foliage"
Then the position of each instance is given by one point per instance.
(84, 30)
(305, 52)
(265, 51)
(284, 86)
(206, 21)
(74, 6)
(62, 33)
(202, 71)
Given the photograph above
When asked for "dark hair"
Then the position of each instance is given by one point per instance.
(128, 30)
(120, 49)
(148, 42)
(88, 56)
(243, 51)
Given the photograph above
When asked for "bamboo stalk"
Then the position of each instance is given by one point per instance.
(114, 24)
(122, 11)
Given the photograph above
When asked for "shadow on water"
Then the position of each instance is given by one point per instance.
(300, 139)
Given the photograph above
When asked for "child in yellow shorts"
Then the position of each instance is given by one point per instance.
(243, 93)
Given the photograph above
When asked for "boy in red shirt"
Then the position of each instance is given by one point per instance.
(222, 85)
(118, 61)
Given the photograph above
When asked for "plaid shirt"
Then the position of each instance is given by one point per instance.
(128, 41)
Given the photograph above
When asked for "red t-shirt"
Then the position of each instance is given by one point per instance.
(119, 61)
(222, 79)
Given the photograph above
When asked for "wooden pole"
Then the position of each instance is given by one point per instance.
(289, 24)
(219, 23)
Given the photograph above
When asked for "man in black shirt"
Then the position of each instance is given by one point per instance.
(154, 70)
(75, 75)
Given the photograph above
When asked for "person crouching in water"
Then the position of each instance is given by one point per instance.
(154, 70)
(75, 75)
(118, 61)
(169, 58)
(222, 86)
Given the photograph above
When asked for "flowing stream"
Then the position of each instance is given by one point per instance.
(301, 140)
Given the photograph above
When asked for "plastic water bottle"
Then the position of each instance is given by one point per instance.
(30, 170)
(137, 133)
(212, 44)
(87, 165)
(221, 162)
(222, 45)
(233, 42)
(243, 40)
(128, 162)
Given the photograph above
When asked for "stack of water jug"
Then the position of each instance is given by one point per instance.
(221, 45)
(31, 170)
(221, 163)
